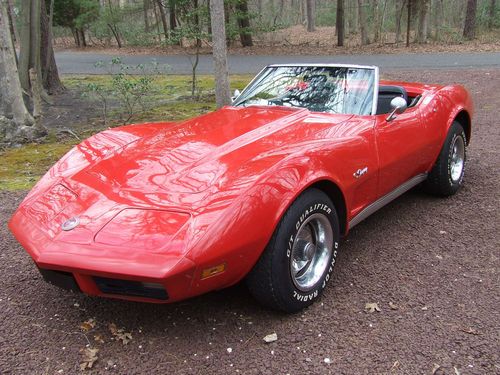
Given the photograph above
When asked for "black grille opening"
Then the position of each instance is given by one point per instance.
(64, 280)
(131, 288)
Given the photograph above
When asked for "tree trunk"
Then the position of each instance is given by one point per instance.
(311, 16)
(227, 10)
(76, 36)
(83, 40)
(11, 98)
(163, 18)
(408, 23)
(491, 14)
(423, 12)
(172, 12)
(157, 19)
(30, 46)
(340, 23)
(399, 15)
(25, 41)
(438, 18)
(146, 15)
(50, 75)
(244, 23)
(222, 94)
(354, 18)
(13, 28)
(470, 20)
(376, 21)
(362, 23)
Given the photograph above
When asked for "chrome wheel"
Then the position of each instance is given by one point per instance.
(311, 251)
(457, 159)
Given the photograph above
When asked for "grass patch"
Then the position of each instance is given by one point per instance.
(22, 167)
(170, 98)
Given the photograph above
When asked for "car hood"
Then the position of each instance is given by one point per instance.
(197, 154)
(186, 173)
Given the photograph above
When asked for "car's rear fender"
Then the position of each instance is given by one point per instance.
(461, 108)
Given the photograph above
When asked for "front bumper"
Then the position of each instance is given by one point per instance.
(104, 270)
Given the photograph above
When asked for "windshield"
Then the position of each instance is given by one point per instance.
(346, 90)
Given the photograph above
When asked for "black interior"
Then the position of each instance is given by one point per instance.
(386, 94)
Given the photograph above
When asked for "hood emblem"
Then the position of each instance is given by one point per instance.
(71, 223)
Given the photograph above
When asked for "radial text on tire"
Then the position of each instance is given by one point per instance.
(447, 175)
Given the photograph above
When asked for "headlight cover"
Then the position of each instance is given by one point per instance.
(143, 229)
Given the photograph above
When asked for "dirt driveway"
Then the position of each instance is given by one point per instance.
(432, 265)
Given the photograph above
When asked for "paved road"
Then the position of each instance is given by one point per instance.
(84, 63)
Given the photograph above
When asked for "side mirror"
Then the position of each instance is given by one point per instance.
(235, 95)
(398, 105)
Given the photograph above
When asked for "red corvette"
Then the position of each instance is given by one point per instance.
(263, 189)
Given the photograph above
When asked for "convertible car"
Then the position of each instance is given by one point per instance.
(262, 190)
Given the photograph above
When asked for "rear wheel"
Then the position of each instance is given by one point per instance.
(447, 175)
(299, 259)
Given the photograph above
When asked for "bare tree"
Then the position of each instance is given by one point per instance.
(408, 23)
(145, 10)
(423, 12)
(340, 23)
(491, 14)
(376, 21)
(173, 14)
(222, 94)
(50, 75)
(400, 6)
(30, 45)
(163, 18)
(311, 16)
(362, 23)
(470, 20)
(12, 106)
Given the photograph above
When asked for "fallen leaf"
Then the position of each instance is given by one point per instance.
(437, 370)
(395, 366)
(470, 331)
(425, 308)
(271, 337)
(88, 325)
(372, 307)
(124, 337)
(393, 306)
(113, 328)
(89, 358)
(120, 334)
(99, 339)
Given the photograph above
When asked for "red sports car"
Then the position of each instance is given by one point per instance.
(262, 190)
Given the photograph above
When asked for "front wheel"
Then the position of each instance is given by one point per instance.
(299, 259)
(447, 175)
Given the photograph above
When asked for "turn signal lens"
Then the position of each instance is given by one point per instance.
(212, 271)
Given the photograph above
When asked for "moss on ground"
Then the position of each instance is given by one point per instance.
(20, 168)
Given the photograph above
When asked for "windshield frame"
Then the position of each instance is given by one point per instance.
(375, 69)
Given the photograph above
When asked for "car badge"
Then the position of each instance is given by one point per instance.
(360, 172)
(71, 223)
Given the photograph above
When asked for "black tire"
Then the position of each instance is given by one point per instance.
(274, 281)
(441, 181)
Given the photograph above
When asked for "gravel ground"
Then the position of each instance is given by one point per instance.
(436, 261)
